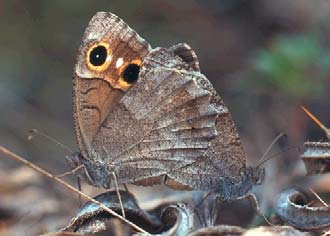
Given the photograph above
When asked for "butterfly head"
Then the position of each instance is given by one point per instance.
(83, 168)
(75, 160)
(256, 174)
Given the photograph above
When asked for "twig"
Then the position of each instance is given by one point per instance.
(317, 121)
(43, 172)
(319, 198)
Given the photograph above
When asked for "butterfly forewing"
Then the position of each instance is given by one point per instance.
(98, 87)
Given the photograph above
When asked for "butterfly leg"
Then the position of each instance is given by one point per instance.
(207, 209)
(118, 194)
(203, 199)
(126, 188)
(254, 202)
(71, 172)
(79, 188)
(215, 209)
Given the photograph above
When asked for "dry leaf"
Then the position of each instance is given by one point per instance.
(92, 219)
(316, 157)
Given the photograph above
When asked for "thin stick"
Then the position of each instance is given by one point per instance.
(319, 198)
(118, 194)
(317, 121)
(43, 172)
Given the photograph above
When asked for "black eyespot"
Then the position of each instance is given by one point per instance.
(131, 73)
(98, 56)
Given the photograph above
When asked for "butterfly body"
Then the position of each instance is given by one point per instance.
(151, 117)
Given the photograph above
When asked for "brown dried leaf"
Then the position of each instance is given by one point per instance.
(316, 157)
(292, 207)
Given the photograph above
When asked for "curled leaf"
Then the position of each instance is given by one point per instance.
(93, 219)
(179, 219)
(292, 207)
(316, 157)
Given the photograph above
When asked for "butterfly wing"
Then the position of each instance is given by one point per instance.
(164, 121)
(224, 160)
(171, 122)
(99, 86)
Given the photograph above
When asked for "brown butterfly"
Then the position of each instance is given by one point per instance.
(151, 117)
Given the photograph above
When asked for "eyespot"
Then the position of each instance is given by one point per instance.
(131, 73)
(98, 55)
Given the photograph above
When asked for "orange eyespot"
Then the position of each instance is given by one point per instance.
(129, 73)
(98, 56)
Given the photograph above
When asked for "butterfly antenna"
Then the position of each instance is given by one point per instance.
(317, 121)
(263, 158)
(279, 153)
(35, 131)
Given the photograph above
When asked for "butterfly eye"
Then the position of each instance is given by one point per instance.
(98, 55)
(131, 73)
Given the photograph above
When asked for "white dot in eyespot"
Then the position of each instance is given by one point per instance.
(119, 62)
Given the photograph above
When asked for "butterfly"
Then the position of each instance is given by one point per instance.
(149, 116)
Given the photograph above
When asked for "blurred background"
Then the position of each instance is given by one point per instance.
(264, 57)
